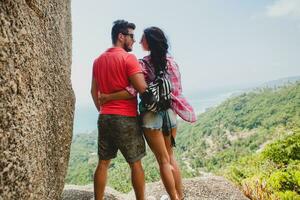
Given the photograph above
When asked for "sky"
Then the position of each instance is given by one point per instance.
(216, 43)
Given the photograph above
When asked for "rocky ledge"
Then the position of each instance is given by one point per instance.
(200, 188)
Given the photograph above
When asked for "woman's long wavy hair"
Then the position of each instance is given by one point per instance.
(158, 46)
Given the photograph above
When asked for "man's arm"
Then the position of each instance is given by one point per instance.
(138, 82)
(94, 94)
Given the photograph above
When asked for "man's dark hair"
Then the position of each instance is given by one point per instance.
(120, 26)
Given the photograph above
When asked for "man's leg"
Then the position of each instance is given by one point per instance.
(132, 146)
(138, 179)
(100, 177)
(106, 151)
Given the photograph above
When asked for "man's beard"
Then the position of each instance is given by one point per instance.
(127, 48)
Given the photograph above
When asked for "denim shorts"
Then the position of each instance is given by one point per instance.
(154, 120)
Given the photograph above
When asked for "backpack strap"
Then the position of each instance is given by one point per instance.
(166, 127)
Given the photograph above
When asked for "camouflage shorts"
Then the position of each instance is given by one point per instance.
(120, 132)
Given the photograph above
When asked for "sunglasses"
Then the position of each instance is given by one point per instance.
(130, 35)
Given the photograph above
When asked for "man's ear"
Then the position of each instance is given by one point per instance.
(120, 37)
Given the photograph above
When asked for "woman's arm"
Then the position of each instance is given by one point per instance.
(123, 94)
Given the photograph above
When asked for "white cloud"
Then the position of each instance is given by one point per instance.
(284, 8)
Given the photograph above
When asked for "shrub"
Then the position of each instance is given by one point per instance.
(285, 150)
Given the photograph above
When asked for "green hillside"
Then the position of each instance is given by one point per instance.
(271, 174)
(238, 130)
(239, 126)
(221, 138)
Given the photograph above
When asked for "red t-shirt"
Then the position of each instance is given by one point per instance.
(112, 70)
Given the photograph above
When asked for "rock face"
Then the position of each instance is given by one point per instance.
(199, 188)
(36, 98)
(73, 192)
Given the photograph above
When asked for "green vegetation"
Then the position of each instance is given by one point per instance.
(272, 174)
(83, 159)
(83, 162)
(252, 138)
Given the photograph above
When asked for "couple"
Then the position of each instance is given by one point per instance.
(118, 76)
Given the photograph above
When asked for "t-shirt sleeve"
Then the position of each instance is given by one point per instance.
(132, 65)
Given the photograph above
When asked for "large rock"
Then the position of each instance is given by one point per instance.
(199, 188)
(36, 98)
(74, 192)
(207, 187)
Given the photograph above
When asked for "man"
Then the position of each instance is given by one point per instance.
(118, 129)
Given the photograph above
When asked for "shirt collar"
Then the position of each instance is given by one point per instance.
(114, 49)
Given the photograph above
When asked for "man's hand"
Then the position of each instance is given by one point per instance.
(103, 98)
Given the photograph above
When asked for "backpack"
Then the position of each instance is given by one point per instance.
(157, 96)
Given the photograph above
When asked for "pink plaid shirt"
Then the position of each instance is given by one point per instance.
(179, 103)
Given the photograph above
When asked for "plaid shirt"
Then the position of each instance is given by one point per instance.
(179, 103)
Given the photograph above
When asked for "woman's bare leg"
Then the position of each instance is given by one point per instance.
(156, 142)
(175, 167)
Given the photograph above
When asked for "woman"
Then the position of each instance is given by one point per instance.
(155, 41)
